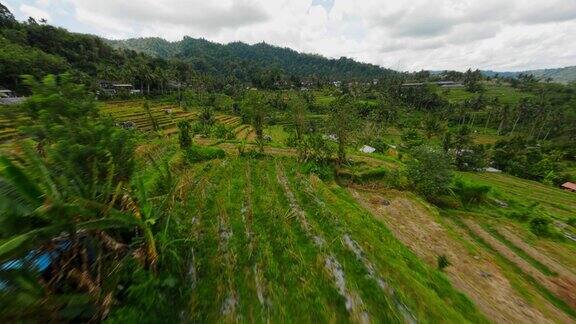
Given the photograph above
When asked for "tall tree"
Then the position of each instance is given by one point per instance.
(343, 121)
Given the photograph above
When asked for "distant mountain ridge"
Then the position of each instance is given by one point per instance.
(561, 75)
(238, 58)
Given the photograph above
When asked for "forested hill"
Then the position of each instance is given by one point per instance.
(239, 58)
(561, 75)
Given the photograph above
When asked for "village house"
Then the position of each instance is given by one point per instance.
(114, 88)
(569, 186)
(8, 97)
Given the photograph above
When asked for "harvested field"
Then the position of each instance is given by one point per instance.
(472, 270)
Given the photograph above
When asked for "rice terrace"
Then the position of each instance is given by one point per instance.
(144, 180)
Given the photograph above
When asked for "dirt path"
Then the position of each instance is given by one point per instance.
(475, 275)
(540, 256)
(560, 286)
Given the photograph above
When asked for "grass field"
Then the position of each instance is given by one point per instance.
(269, 243)
(272, 244)
(559, 203)
(504, 93)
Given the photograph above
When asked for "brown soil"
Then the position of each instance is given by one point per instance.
(476, 275)
(562, 285)
(539, 255)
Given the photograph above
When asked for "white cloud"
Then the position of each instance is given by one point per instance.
(407, 35)
(34, 12)
(43, 3)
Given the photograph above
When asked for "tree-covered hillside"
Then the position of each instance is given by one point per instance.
(239, 58)
(36, 48)
(561, 75)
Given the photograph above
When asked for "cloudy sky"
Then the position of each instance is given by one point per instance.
(502, 35)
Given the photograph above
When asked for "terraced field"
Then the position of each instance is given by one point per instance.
(558, 203)
(508, 279)
(243, 132)
(505, 93)
(166, 115)
(271, 244)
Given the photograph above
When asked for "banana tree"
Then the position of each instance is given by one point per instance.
(40, 209)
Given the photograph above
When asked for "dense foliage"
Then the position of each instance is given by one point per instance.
(262, 64)
(77, 222)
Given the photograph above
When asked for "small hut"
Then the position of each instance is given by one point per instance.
(569, 186)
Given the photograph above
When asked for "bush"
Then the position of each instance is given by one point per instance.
(317, 148)
(184, 135)
(222, 131)
(292, 139)
(372, 174)
(380, 145)
(322, 170)
(443, 262)
(519, 216)
(202, 129)
(394, 179)
(429, 171)
(201, 153)
(411, 138)
(470, 193)
(540, 226)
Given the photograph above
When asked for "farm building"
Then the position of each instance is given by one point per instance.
(8, 97)
(114, 88)
(12, 100)
(569, 186)
(123, 87)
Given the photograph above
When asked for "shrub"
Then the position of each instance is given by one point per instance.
(201, 153)
(184, 136)
(470, 193)
(519, 216)
(222, 131)
(372, 174)
(429, 171)
(201, 129)
(322, 170)
(443, 262)
(317, 148)
(411, 138)
(241, 147)
(540, 226)
(292, 139)
(395, 179)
